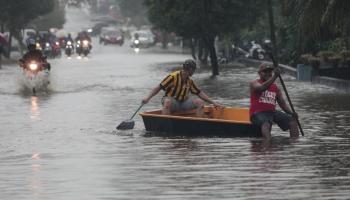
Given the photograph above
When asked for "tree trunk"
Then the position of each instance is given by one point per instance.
(346, 37)
(0, 56)
(18, 36)
(205, 57)
(193, 48)
(9, 45)
(200, 50)
(165, 40)
(213, 57)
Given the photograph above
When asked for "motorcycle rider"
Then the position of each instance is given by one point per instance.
(69, 38)
(69, 44)
(84, 36)
(34, 54)
(136, 41)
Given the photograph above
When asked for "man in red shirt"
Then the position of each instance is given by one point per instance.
(264, 94)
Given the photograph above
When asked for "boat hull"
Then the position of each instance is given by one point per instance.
(167, 125)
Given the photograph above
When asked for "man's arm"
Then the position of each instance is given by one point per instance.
(282, 103)
(205, 97)
(153, 92)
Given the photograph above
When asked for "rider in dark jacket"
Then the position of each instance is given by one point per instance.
(34, 54)
(84, 36)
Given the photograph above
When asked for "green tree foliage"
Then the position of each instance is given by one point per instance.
(134, 10)
(202, 19)
(54, 19)
(318, 22)
(16, 14)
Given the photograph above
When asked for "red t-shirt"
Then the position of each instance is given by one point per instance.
(263, 101)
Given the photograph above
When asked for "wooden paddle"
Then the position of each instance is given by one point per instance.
(275, 64)
(128, 124)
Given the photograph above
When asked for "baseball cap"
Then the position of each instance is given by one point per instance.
(265, 66)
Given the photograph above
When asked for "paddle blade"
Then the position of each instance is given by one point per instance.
(125, 125)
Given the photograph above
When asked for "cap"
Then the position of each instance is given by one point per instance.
(189, 64)
(265, 66)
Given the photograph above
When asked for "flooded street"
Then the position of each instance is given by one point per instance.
(62, 144)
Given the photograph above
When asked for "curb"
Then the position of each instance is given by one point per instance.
(340, 84)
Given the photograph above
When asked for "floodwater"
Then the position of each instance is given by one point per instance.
(62, 143)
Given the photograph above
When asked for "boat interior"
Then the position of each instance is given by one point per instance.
(227, 113)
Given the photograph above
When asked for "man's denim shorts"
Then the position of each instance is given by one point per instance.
(180, 105)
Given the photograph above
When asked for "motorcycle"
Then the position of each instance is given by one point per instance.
(83, 47)
(86, 47)
(256, 51)
(78, 47)
(47, 50)
(56, 50)
(37, 74)
(136, 45)
(69, 48)
(38, 46)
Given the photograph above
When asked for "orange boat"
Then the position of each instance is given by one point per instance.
(227, 122)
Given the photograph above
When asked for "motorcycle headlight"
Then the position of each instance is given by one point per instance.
(57, 43)
(47, 44)
(85, 42)
(69, 43)
(136, 41)
(33, 66)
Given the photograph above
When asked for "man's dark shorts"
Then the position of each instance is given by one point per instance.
(280, 118)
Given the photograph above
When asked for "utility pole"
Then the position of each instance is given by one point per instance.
(272, 27)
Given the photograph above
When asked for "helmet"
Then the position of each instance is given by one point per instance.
(189, 64)
(31, 44)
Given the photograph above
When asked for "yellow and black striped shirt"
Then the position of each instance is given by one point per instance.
(174, 86)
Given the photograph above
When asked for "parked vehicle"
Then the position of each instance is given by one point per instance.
(113, 36)
(97, 28)
(73, 3)
(28, 33)
(256, 51)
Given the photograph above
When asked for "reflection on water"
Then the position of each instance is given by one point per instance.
(35, 181)
(34, 108)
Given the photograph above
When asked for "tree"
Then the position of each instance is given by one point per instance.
(202, 19)
(16, 14)
(54, 19)
(319, 20)
(135, 11)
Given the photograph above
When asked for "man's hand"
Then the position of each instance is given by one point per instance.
(277, 71)
(295, 115)
(218, 106)
(145, 101)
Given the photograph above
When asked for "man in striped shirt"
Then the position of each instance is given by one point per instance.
(177, 87)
